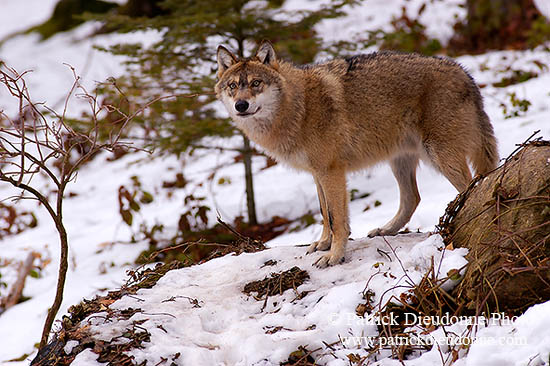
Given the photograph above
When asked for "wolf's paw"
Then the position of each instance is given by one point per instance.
(381, 232)
(319, 245)
(329, 259)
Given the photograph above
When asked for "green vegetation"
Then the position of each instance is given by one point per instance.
(68, 14)
(517, 107)
(181, 64)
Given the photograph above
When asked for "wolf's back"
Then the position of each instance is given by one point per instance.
(390, 93)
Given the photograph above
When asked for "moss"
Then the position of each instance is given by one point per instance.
(500, 220)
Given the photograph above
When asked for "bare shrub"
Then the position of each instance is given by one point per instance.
(39, 142)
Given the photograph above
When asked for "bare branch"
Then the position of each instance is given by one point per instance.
(30, 142)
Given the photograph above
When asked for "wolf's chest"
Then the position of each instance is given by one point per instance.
(296, 159)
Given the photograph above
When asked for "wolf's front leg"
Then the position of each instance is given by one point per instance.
(325, 241)
(333, 184)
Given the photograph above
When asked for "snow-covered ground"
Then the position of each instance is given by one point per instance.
(231, 328)
(201, 314)
(228, 320)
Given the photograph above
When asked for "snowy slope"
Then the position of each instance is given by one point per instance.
(200, 316)
(98, 258)
(231, 328)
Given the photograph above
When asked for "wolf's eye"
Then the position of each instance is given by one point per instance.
(232, 85)
(256, 83)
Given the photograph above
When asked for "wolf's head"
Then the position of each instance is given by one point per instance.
(250, 88)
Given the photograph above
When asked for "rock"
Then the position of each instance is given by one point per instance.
(504, 221)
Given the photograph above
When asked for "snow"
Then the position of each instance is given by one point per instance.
(544, 7)
(531, 327)
(51, 77)
(372, 15)
(85, 358)
(17, 18)
(230, 327)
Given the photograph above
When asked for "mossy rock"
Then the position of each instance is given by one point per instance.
(504, 221)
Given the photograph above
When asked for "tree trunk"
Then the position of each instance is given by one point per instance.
(64, 257)
(17, 290)
(247, 161)
(496, 24)
(250, 202)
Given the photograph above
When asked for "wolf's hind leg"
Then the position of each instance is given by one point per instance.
(451, 162)
(324, 242)
(404, 170)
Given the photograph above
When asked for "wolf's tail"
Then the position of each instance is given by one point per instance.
(485, 158)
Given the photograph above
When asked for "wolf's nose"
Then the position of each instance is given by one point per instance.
(241, 106)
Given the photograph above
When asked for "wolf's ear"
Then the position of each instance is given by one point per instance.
(266, 54)
(225, 60)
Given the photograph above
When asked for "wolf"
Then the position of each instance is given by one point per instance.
(347, 114)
